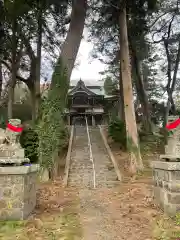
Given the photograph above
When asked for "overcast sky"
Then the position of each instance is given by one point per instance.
(87, 68)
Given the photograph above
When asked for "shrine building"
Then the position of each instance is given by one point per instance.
(86, 101)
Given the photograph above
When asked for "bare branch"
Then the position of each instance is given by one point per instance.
(166, 33)
(169, 64)
(157, 19)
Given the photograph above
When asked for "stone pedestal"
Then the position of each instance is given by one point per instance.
(17, 191)
(166, 176)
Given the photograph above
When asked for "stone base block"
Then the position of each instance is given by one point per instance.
(169, 202)
(166, 176)
(17, 191)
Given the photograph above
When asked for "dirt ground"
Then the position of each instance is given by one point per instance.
(128, 213)
(125, 212)
(55, 217)
(137, 195)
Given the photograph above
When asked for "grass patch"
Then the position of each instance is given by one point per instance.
(11, 230)
(65, 226)
(162, 229)
(167, 229)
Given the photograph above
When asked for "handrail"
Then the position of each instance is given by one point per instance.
(91, 155)
(68, 158)
(117, 170)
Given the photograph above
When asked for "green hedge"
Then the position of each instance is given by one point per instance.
(117, 130)
(30, 142)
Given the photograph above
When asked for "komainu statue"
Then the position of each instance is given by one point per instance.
(10, 148)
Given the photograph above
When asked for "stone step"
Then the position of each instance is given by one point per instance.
(107, 182)
(106, 185)
(88, 171)
(104, 176)
(78, 174)
(81, 171)
(105, 173)
(104, 167)
(90, 166)
(100, 167)
(81, 166)
(80, 186)
(80, 180)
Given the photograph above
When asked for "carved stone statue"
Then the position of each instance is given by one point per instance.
(10, 148)
(172, 149)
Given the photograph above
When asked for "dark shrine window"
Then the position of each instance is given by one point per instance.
(80, 98)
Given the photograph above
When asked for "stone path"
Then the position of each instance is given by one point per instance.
(112, 211)
(118, 213)
(105, 173)
(81, 176)
(81, 169)
(93, 215)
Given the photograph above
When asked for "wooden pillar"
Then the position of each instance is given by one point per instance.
(93, 121)
(69, 120)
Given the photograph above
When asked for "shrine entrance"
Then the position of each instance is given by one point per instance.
(79, 120)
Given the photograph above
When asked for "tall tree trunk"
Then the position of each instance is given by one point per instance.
(166, 114)
(37, 96)
(32, 88)
(73, 39)
(13, 72)
(60, 82)
(1, 80)
(33, 103)
(121, 98)
(130, 120)
(2, 32)
(1, 48)
(142, 94)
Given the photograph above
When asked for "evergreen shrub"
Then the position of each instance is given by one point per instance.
(30, 142)
(117, 131)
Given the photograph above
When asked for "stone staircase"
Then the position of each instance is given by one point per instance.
(81, 169)
(105, 172)
(81, 174)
